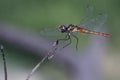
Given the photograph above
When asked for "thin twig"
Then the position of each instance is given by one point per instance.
(4, 61)
(48, 56)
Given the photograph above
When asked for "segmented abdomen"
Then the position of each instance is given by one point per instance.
(83, 30)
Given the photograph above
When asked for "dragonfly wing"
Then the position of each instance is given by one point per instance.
(87, 14)
(52, 32)
(98, 21)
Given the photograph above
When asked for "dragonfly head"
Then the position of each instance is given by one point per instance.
(63, 28)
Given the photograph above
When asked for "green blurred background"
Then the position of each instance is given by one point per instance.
(38, 14)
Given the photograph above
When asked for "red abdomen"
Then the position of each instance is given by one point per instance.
(83, 30)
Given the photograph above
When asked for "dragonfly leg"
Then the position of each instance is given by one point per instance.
(76, 40)
(69, 38)
(64, 39)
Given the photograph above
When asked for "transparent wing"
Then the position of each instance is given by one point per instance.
(51, 32)
(87, 14)
(98, 21)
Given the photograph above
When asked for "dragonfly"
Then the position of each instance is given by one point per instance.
(83, 27)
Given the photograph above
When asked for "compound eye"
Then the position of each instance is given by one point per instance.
(62, 27)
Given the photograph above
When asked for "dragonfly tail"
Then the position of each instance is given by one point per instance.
(82, 30)
(100, 34)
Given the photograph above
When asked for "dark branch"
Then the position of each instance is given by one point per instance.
(4, 61)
